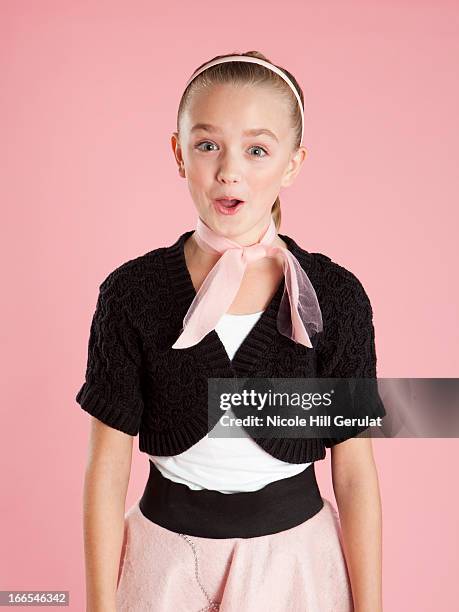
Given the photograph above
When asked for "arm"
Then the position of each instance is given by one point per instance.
(106, 481)
(356, 487)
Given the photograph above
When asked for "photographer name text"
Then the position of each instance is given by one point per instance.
(296, 421)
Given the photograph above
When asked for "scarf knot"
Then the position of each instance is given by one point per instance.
(255, 252)
(299, 313)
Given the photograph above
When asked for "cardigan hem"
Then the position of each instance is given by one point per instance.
(92, 401)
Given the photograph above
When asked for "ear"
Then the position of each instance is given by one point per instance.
(293, 166)
(176, 148)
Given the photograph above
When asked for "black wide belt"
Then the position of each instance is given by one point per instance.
(280, 505)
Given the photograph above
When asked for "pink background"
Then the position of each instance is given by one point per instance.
(89, 181)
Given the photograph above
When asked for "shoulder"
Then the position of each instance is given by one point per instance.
(339, 284)
(336, 286)
(135, 272)
(342, 297)
(347, 316)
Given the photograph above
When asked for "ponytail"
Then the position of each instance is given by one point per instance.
(276, 213)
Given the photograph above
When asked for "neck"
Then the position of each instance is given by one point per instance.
(195, 256)
(199, 257)
(252, 236)
(264, 229)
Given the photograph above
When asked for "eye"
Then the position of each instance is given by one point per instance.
(265, 152)
(206, 142)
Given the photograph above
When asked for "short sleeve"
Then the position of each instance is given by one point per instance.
(112, 388)
(347, 350)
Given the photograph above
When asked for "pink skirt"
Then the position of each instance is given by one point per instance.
(302, 569)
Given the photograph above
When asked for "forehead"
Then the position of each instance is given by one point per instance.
(238, 108)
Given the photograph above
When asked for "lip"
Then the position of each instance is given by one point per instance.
(229, 197)
(225, 210)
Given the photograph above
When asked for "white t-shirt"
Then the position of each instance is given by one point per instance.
(228, 465)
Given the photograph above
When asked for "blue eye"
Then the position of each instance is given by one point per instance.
(207, 142)
(203, 143)
(261, 149)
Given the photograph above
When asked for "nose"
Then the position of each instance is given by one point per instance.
(228, 171)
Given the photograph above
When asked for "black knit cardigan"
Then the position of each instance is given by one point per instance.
(136, 383)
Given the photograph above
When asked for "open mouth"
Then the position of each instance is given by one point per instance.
(227, 206)
(229, 203)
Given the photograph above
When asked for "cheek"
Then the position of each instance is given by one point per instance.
(265, 178)
(199, 171)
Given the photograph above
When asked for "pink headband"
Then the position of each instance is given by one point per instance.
(254, 60)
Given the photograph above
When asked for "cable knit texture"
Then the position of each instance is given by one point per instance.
(136, 383)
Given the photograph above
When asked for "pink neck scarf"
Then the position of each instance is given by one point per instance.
(298, 310)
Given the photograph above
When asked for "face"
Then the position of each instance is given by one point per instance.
(221, 155)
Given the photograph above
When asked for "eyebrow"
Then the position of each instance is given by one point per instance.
(255, 132)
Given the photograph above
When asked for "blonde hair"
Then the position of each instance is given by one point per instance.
(253, 74)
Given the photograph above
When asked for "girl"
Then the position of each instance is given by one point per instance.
(231, 524)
